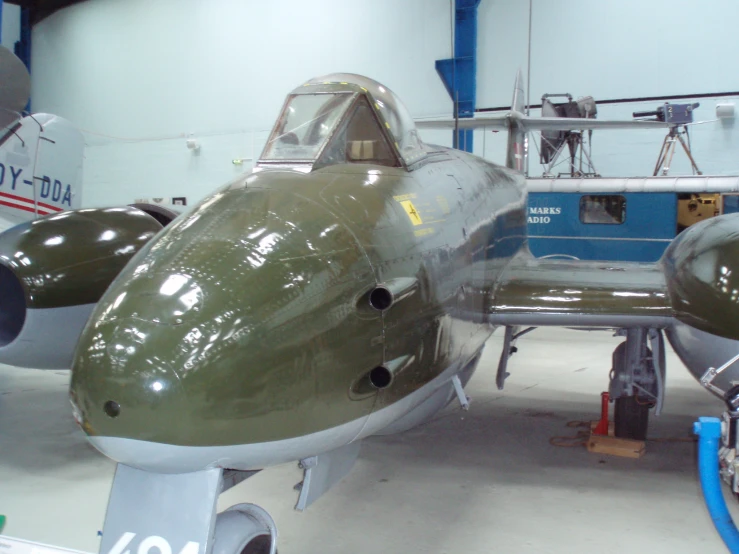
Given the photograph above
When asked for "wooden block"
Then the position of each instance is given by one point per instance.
(627, 448)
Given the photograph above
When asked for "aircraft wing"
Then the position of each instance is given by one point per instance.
(583, 124)
(538, 292)
(490, 122)
(528, 123)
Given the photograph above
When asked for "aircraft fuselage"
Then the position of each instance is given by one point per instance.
(245, 329)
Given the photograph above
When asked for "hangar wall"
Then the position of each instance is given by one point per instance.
(11, 29)
(140, 77)
(612, 50)
(608, 49)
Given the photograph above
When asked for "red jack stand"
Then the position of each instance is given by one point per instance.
(602, 440)
(602, 427)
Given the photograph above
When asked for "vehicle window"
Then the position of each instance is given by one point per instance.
(603, 209)
(359, 140)
(305, 124)
(365, 142)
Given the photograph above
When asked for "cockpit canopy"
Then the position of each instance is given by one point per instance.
(343, 118)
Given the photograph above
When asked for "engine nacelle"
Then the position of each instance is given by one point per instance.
(700, 351)
(702, 275)
(52, 273)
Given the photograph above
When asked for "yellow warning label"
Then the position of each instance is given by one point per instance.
(423, 232)
(410, 209)
(402, 197)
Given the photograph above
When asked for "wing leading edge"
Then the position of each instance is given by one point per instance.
(538, 292)
(527, 123)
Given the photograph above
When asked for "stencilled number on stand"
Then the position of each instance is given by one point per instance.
(146, 546)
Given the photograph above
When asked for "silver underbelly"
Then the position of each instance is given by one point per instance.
(170, 458)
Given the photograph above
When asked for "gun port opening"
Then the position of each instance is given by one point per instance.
(112, 408)
(380, 377)
(381, 298)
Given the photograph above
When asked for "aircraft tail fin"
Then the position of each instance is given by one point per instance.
(513, 121)
(40, 168)
(518, 104)
(516, 148)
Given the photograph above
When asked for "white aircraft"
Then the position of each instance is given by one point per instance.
(40, 154)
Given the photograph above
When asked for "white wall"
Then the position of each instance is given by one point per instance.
(608, 49)
(11, 31)
(139, 76)
(612, 50)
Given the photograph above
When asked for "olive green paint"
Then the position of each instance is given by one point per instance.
(530, 285)
(70, 258)
(248, 319)
(702, 273)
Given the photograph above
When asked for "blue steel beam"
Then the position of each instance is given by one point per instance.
(459, 74)
(23, 46)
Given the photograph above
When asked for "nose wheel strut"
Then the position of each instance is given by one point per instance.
(155, 513)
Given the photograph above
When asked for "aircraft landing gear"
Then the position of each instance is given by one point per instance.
(175, 513)
(244, 529)
(155, 513)
(637, 381)
(631, 417)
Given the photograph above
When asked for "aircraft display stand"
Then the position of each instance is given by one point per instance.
(11, 545)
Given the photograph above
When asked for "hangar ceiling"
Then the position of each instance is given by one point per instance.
(42, 8)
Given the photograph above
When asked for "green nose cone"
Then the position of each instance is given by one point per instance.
(237, 325)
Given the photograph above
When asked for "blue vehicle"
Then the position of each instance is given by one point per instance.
(621, 219)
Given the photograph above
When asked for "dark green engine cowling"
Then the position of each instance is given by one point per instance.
(702, 275)
(52, 272)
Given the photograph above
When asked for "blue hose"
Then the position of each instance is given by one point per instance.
(708, 430)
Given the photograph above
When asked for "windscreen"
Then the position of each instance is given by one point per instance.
(304, 126)
(359, 139)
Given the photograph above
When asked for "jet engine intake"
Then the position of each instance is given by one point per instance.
(12, 306)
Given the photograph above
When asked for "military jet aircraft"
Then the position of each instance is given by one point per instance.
(343, 289)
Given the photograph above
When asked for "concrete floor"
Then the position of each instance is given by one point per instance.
(475, 482)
